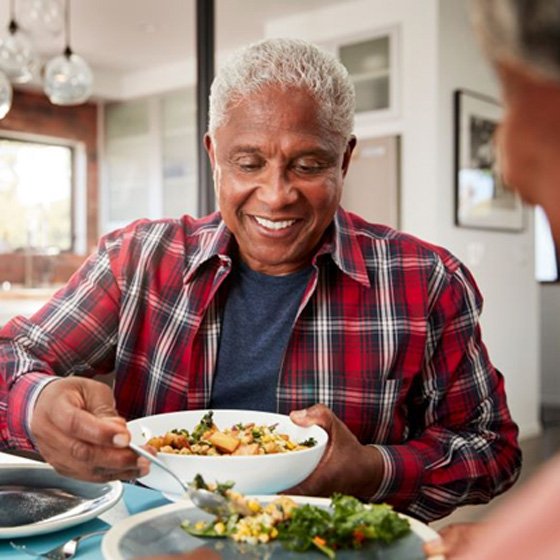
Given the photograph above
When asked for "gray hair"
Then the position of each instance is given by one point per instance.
(524, 30)
(286, 63)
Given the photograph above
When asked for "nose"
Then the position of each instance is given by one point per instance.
(275, 188)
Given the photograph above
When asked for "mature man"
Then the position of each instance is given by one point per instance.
(282, 301)
(522, 38)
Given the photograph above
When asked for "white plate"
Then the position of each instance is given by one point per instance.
(159, 532)
(35, 499)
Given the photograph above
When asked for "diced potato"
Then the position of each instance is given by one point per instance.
(223, 442)
(250, 449)
(271, 447)
(156, 442)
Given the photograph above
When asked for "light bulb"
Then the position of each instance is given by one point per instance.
(68, 79)
(5, 95)
(17, 59)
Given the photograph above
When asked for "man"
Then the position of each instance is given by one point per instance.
(282, 301)
(522, 39)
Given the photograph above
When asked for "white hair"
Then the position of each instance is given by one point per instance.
(285, 63)
(524, 30)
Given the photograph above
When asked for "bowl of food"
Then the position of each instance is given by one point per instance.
(261, 452)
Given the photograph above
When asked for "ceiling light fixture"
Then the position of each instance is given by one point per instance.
(68, 79)
(17, 59)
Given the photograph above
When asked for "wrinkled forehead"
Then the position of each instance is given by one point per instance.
(274, 111)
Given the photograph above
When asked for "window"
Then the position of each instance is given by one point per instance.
(547, 265)
(36, 192)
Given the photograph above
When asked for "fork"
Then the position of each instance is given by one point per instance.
(63, 552)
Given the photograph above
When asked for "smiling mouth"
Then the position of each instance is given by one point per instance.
(276, 225)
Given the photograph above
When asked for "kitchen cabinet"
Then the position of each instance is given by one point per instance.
(150, 159)
(372, 62)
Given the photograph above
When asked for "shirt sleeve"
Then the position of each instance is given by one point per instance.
(74, 333)
(462, 446)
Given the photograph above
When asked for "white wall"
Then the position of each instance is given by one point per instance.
(438, 54)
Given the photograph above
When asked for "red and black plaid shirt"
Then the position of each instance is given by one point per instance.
(387, 336)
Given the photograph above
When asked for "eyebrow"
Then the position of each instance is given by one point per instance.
(314, 152)
(244, 149)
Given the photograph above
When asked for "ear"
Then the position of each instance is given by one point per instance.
(209, 146)
(348, 154)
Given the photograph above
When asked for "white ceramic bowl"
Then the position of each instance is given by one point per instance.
(257, 474)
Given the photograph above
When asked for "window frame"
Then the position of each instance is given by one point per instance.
(77, 183)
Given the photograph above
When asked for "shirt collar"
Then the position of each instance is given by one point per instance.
(216, 241)
(344, 249)
(340, 243)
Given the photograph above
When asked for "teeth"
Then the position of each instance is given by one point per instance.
(269, 224)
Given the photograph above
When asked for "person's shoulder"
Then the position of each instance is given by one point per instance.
(399, 247)
(180, 229)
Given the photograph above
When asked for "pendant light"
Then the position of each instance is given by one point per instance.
(68, 79)
(17, 59)
(5, 95)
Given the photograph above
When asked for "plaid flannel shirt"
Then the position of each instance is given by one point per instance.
(387, 336)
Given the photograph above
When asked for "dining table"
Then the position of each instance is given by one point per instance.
(135, 499)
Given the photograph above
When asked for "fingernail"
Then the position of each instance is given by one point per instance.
(299, 414)
(120, 440)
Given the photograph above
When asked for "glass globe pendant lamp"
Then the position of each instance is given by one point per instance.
(17, 59)
(5, 95)
(68, 79)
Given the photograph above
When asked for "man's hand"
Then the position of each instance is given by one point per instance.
(347, 466)
(77, 429)
(455, 541)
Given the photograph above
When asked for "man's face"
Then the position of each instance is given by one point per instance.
(278, 175)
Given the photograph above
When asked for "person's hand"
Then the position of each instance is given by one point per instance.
(347, 466)
(77, 429)
(454, 542)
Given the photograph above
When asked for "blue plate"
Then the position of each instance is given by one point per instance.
(159, 532)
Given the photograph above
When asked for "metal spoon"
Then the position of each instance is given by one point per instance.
(211, 502)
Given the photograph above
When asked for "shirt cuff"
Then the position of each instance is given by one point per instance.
(402, 478)
(21, 402)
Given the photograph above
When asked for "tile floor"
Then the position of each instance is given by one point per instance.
(535, 452)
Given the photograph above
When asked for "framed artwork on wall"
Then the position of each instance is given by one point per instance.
(481, 198)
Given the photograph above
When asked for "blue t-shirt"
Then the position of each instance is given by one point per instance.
(258, 318)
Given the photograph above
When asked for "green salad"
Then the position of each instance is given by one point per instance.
(347, 524)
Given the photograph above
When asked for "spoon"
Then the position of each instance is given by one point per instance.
(211, 502)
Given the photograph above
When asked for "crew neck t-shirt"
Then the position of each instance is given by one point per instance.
(258, 319)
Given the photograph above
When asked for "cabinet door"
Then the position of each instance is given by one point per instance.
(371, 187)
(150, 159)
(371, 63)
(129, 149)
(179, 153)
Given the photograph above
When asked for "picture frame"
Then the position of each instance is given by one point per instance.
(481, 199)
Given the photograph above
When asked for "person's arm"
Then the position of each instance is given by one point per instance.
(71, 420)
(524, 526)
(74, 333)
(462, 446)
